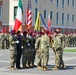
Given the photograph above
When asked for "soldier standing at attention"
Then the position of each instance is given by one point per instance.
(62, 38)
(45, 44)
(24, 51)
(7, 40)
(19, 50)
(3, 38)
(58, 51)
(13, 50)
(38, 51)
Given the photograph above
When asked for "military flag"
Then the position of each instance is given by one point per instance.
(28, 15)
(45, 26)
(38, 21)
(49, 22)
(18, 20)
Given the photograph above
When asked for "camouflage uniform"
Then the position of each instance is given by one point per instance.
(66, 41)
(38, 51)
(7, 40)
(75, 40)
(27, 52)
(3, 38)
(13, 50)
(62, 38)
(0, 40)
(58, 50)
(45, 44)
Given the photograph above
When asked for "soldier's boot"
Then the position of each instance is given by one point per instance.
(31, 65)
(45, 68)
(27, 65)
(13, 68)
(63, 67)
(39, 67)
(55, 68)
(24, 66)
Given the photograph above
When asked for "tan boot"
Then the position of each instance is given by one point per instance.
(45, 69)
(13, 68)
(64, 67)
(55, 68)
(27, 65)
(39, 67)
(31, 65)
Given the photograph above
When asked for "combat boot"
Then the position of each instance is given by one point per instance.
(27, 65)
(63, 67)
(39, 67)
(45, 69)
(13, 68)
(55, 68)
(24, 67)
(31, 65)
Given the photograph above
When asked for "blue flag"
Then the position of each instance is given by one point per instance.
(43, 22)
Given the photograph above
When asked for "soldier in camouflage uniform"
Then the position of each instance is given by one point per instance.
(38, 51)
(75, 40)
(58, 48)
(3, 38)
(24, 51)
(66, 40)
(27, 52)
(0, 39)
(45, 44)
(7, 40)
(13, 50)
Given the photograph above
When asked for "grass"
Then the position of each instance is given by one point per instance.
(69, 50)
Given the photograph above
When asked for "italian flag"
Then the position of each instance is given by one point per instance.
(18, 20)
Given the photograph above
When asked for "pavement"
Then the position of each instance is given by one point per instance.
(69, 60)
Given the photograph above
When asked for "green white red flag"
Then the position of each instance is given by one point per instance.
(18, 20)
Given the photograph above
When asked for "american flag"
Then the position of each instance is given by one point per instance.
(29, 15)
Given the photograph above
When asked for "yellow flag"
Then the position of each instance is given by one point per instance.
(38, 21)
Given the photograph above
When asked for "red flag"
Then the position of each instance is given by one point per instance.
(29, 15)
(49, 22)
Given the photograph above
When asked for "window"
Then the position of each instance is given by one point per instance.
(68, 2)
(0, 13)
(36, 10)
(62, 18)
(67, 17)
(15, 11)
(72, 18)
(51, 0)
(57, 14)
(62, 3)
(36, 0)
(72, 2)
(63, 31)
(51, 13)
(57, 2)
(44, 13)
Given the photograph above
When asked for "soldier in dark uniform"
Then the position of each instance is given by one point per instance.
(19, 50)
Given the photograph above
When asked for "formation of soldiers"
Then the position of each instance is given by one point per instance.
(4, 40)
(24, 47)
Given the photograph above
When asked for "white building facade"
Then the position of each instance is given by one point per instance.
(62, 13)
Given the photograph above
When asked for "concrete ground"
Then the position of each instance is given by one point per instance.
(69, 60)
